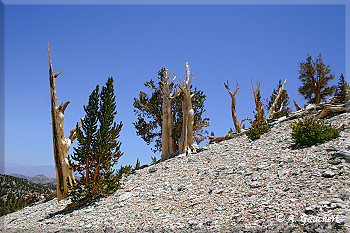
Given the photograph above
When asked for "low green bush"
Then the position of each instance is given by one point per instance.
(310, 131)
(258, 128)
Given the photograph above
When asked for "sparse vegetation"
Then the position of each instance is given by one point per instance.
(153, 160)
(17, 193)
(258, 127)
(310, 131)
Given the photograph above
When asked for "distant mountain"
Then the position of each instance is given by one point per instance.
(39, 179)
(12, 168)
(16, 193)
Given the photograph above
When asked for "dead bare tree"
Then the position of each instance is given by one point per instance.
(272, 111)
(186, 143)
(61, 144)
(233, 108)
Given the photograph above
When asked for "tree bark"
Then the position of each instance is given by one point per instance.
(233, 108)
(272, 111)
(61, 144)
(258, 104)
(186, 144)
(167, 118)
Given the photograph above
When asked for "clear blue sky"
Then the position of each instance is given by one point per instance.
(131, 43)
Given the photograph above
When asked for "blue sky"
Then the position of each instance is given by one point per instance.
(132, 42)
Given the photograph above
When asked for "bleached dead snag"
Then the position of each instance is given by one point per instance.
(186, 143)
(233, 108)
(258, 104)
(61, 144)
(272, 111)
(167, 121)
(297, 107)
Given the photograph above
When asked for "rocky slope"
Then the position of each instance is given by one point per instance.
(233, 186)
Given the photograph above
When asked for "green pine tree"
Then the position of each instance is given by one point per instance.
(149, 114)
(98, 149)
(107, 148)
(315, 76)
(341, 93)
(84, 153)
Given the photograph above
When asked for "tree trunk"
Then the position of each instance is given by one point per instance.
(61, 144)
(186, 144)
(167, 121)
(258, 103)
(233, 108)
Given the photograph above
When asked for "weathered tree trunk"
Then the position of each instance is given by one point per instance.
(186, 144)
(167, 121)
(258, 103)
(233, 108)
(61, 144)
(272, 112)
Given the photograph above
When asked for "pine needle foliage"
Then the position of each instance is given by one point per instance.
(148, 108)
(98, 149)
(259, 126)
(341, 94)
(315, 77)
(309, 131)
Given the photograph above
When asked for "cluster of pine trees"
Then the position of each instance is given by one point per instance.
(98, 149)
(17, 193)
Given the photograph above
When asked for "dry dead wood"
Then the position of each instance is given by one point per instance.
(238, 126)
(272, 111)
(186, 143)
(61, 144)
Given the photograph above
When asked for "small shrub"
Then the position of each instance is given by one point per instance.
(153, 160)
(258, 127)
(137, 165)
(310, 131)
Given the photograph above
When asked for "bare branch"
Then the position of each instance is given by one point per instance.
(240, 124)
(63, 107)
(272, 112)
(55, 76)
